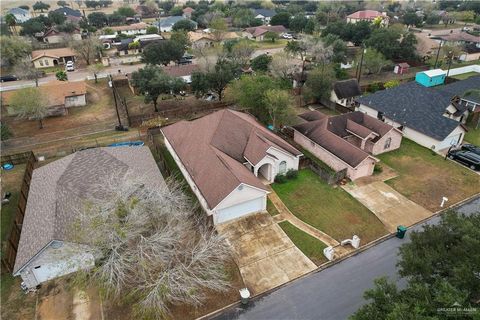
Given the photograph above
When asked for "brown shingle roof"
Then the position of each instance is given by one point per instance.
(214, 148)
(53, 53)
(180, 70)
(55, 92)
(365, 14)
(133, 26)
(329, 133)
(59, 186)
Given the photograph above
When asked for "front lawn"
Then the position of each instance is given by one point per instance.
(425, 177)
(271, 208)
(464, 76)
(310, 246)
(473, 136)
(331, 210)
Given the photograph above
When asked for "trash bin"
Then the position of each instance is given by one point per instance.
(245, 295)
(401, 230)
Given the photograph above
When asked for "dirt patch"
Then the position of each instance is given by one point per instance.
(18, 305)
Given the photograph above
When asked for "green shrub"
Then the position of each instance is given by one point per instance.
(377, 169)
(280, 178)
(291, 174)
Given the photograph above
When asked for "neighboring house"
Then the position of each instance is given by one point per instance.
(72, 15)
(224, 157)
(201, 39)
(431, 78)
(60, 95)
(21, 15)
(52, 57)
(131, 29)
(401, 68)
(345, 91)
(130, 50)
(57, 192)
(264, 14)
(469, 43)
(187, 12)
(52, 35)
(258, 33)
(166, 24)
(182, 71)
(346, 141)
(367, 15)
(431, 117)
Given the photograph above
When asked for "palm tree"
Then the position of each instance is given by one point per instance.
(11, 22)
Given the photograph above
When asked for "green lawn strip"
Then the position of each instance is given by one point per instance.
(464, 76)
(331, 210)
(271, 208)
(472, 135)
(310, 246)
(425, 177)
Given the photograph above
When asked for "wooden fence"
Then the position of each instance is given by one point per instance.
(17, 158)
(11, 246)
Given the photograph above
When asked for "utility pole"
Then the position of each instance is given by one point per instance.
(438, 53)
(360, 67)
(450, 58)
(120, 127)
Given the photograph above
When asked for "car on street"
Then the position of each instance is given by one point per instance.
(69, 66)
(472, 148)
(467, 158)
(287, 36)
(8, 77)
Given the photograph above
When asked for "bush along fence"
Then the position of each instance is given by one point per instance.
(11, 246)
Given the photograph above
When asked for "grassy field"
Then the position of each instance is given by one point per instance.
(310, 246)
(425, 177)
(331, 210)
(268, 44)
(465, 75)
(271, 208)
(473, 136)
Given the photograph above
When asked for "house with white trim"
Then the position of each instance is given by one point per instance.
(227, 158)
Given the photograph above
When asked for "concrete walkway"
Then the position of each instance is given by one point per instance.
(387, 204)
(285, 214)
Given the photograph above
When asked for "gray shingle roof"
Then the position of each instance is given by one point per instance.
(265, 12)
(347, 89)
(61, 185)
(419, 107)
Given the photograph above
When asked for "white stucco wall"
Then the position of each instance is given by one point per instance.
(76, 101)
(59, 258)
(416, 136)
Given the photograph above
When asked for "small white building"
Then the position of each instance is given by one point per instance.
(227, 158)
(131, 29)
(57, 191)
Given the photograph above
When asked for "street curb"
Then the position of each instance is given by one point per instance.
(329, 264)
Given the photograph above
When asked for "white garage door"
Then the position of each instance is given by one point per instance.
(239, 210)
(51, 270)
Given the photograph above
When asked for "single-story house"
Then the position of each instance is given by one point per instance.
(201, 39)
(429, 116)
(367, 15)
(21, 15)
(52, 57)
(346, 141)
(401, 68)
(345, 91)
(52, 35)
(131, 29)
(166, 24)
(264, 14)
(60, 95)
(130, 50)
(226, 157)
(187, 12)
(57, 191)
(183, 71)
(258, 33)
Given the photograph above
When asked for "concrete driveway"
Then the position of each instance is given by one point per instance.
(388, 205)
(264, 254)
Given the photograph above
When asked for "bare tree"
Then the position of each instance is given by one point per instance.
(30, 103)
(25, 69)
(207, 57)
(153, 246)
(283, 65)
(241, 52)
(88, 49)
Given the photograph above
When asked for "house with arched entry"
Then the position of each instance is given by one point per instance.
(52, 57)
(228, 158)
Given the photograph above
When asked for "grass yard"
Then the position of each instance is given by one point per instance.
(331, 210)
(465, 75)
(473, 136)
(268, 44)
(271, 208)
(425, 177)
(310, 246)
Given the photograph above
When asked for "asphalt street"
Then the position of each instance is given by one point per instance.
(337, 292)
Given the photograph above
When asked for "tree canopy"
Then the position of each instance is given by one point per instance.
(441, 265)
(261, 62)
(30, 103)
(184, 24)
(163, 52)
(40, 6)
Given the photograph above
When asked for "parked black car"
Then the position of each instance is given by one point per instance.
(184, 61)
(468, 158)
(8, 77)
(472, 148)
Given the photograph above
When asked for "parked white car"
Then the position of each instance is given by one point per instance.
(287, 36)
(69, 66)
